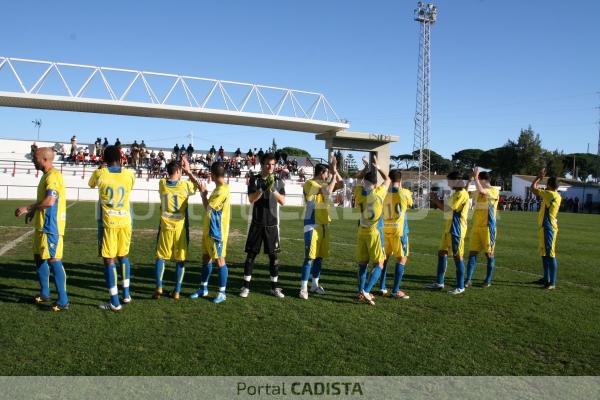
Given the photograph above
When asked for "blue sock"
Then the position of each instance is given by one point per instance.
(179, 272)
(441, 269)
(375, 274)
(223, 273)
(159, 270)
(205, 274)
(362, 277)
(308, 264)
(491, 266)
(398, 274)
(471, 267)
(60, 280)
(43, 273)
(110, 275)
(316, 268)
(383, 276)
(553, 270)
(460, 273)
(126, 273)
(546, 264)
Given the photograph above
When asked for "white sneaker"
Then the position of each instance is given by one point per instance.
(317, 289)
(244, 292)
(110, 307)
(456, 291)
(435, 286)
(277, 293)
(303, 294)
(401, 295)
(126, 300)
(367, 298)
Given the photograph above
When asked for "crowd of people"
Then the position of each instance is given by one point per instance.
(141, 158)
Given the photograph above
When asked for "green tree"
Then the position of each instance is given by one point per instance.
(293, 151)
(466, 159)
(438, 163)
(586, 165)
(529, 152)
(502, 161)
(554, 162)
(404, 161)
(351, 162)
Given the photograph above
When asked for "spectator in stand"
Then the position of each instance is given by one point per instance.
(123, 156)
(143, 145)
(135, 154)
(34, 147)
(181, 151)
(576, 204)
(212, 150)
(260, 154)
(161, 154)
(301, 175)
(59, 149)
(221, 154)
(189, 151)
(249, 154)
(104, 144)
(175, 153)
(73, 153)
(238, 152)
(117, 143)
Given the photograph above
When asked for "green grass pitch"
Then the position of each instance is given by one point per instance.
(512, 328)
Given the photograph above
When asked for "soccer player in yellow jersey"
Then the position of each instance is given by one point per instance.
(215, 231)
(49, 214)
(395, 231)
(456, 211)
(548, 226)
(114, 185)
(369, 198)
(316, 193)
(483, 230)
(173, 232)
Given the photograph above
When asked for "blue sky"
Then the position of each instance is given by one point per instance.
(497, 66)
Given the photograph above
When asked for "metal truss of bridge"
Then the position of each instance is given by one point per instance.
(162, 95)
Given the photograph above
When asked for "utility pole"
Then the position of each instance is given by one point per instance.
(38, 124)
(425, 15)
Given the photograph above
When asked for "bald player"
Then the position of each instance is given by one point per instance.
(49, 214)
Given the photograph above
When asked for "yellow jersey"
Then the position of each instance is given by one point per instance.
(456, 220)
(218, 214)
(485, 208)
(114, 187)
(548, 215)
(370, 203)
(317, 204)
(174, 202)
(396, 202)
(51, 220)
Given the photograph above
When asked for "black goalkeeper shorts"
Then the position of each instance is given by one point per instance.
(259, 235)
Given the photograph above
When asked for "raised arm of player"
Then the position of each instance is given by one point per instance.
(386, 179)
(534, 185)
(478, 185)
(330, 188)
(185, 167)
(361, 174)
(436, 200)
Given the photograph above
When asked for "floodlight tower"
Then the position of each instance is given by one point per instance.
(425, 15)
